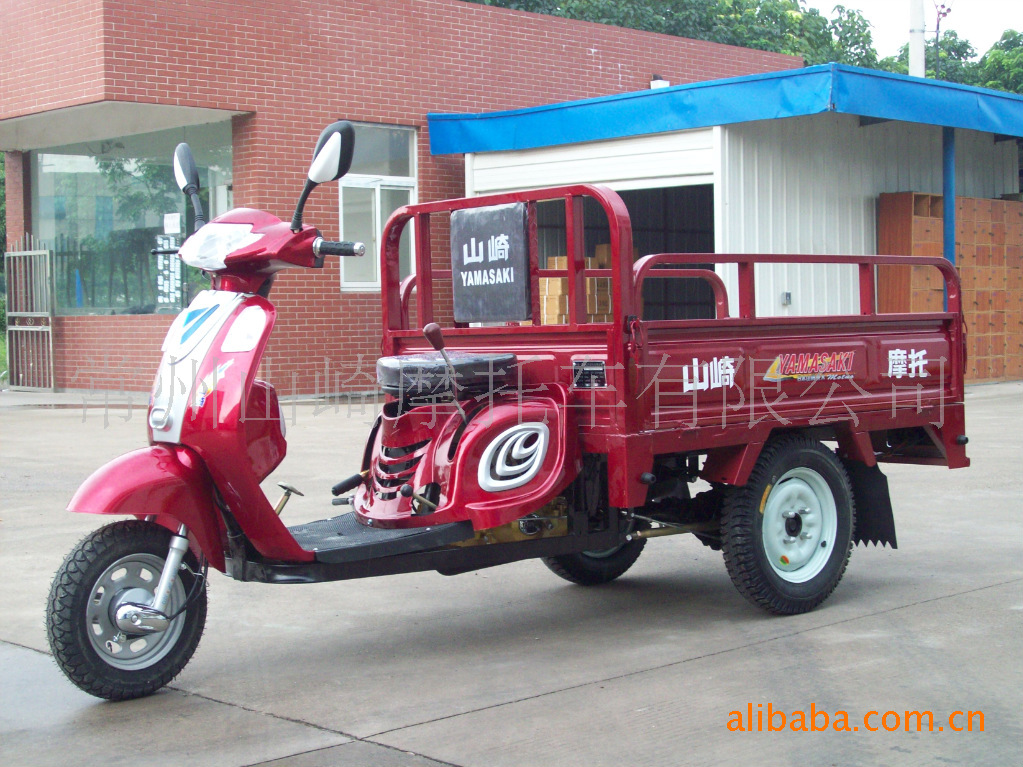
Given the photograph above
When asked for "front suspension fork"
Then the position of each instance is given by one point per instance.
(134, 618)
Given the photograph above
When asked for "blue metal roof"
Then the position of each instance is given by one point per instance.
(791, 93)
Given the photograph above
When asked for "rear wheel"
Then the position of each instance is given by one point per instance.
(787, 534)
(592, 568)
(119, 564)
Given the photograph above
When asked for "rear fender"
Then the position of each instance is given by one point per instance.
(168, 482)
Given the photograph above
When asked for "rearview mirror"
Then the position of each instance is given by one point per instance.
(333, 155)
(331, 160)
(185, 171)
(187, 175)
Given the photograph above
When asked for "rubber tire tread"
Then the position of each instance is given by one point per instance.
(585, 570)
(742, 544)
(65, 611)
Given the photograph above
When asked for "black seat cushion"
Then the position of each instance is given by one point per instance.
(426, 376)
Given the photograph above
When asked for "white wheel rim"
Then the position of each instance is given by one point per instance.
(130, 579)
(800, 520)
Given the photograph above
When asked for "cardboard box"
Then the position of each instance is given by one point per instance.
(554, 319)
(553, 286)
(553, 305)
(602, 256)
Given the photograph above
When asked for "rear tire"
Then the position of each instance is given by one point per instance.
(593, 568)
(788, 533)
(121, 562)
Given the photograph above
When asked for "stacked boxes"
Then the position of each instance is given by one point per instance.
(554, 295)
(989, 236)
(989, 256)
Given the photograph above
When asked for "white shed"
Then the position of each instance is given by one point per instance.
(787, 162)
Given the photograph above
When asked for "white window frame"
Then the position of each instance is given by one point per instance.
(378, 183)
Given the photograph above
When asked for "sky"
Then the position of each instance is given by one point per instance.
(979, 21)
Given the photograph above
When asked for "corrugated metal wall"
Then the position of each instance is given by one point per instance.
(645, 162)
(810, 185)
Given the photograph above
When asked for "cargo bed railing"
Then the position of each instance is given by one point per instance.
(624, 334)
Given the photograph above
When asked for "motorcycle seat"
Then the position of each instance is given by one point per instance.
(426, 377)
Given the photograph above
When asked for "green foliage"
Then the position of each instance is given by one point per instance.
(1002, 66)
(955, 55)
(782, 26)
(139, 186)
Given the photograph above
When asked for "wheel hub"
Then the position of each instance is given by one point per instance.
(132, 614)
(124, 586)
(799, 524)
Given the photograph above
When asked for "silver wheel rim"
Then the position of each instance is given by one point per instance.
(800, 520)
(130, 579)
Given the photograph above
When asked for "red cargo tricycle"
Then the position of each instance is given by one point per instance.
(509, 432)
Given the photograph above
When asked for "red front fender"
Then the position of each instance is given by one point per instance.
(169, 482)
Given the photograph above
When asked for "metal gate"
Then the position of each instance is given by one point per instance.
(30, 320)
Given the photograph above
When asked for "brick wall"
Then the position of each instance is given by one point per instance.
(113, 353)
(299, 65)
(52, 55)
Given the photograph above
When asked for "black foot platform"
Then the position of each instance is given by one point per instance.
(343, 539)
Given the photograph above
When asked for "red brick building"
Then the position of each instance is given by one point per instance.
(89, 82)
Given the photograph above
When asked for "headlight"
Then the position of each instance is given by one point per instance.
(207, 248)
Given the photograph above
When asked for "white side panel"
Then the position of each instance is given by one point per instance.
(810, 185)
(666, 159)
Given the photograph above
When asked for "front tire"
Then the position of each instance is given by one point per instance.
(593, 568)
(120, 563)
(787, 534)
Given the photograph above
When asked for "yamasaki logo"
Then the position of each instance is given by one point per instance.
(812, 366)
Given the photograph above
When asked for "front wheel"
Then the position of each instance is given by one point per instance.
(787, 534)
(118, 564)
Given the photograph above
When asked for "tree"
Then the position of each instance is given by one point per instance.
(1002, 66)
(782, 26)
(957, 55)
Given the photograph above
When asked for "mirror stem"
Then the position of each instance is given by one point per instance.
(296, 220)
(200, 217)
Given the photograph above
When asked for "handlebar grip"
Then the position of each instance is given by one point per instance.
(322, 247)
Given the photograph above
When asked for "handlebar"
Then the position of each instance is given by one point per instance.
(322, 247)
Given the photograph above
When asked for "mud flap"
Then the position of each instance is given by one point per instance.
(875, 521)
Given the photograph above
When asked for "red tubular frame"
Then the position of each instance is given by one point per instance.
(625, 432)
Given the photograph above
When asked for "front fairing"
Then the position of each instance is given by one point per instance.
(189, 343)
(207, 374)
(206, 398)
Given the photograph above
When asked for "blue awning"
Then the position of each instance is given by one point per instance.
(792, 93)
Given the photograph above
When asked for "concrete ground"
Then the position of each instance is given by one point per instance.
(513, 666)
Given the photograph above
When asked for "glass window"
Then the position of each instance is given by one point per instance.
(102, 206)
(382, 179)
